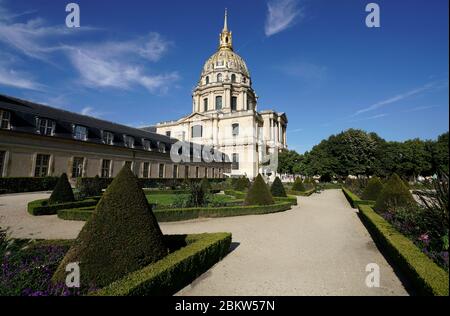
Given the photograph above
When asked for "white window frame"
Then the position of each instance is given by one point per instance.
(83, 164)
(149, 169)
(77, 132)
(46, 126)
(108, 138)
(5, 116)
(126, 139)
(109, 168)
(35, 165)
(4, 164)
(146, 144)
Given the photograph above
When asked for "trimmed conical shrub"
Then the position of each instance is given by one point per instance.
(298, 185)
(121, 236)
(206, 186)
(395, 194)
(259, 193)
(373, 189)
(241, 184)
(62, 193)
(277, 188)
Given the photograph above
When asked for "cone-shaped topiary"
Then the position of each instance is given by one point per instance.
(373, 189)
(62, 192)
(241, 184)
(121, 236)
(394, 194)
(206, 186)
(259, 193)
(298, 185)
(277, 188)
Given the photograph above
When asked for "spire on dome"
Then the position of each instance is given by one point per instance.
(225, 35)
(225, 22)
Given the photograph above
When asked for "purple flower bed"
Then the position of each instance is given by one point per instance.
(27, 269)
(415, 224)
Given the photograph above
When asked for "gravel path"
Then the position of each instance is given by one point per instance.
(318, 248)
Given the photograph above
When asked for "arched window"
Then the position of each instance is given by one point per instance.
(233, 78)
(219, 78)
(218, 102)
(207, 80)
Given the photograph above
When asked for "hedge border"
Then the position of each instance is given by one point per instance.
(38, 208)
(26, 184)
(426, 277)
(355, 200)
(181, 214)
(178, 269)
(299, 193)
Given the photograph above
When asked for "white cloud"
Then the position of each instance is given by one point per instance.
(304, 70)
(90, 111)
(119, 64)
(281, 14)
(397, 98)
(12, 78)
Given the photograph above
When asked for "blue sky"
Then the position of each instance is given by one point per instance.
(136, 62)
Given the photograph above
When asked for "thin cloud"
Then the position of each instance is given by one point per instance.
(374, 117)
(90, 111)
(304, 70)
(396, 98)
(421, 108)
(12, 78)
(281, 14)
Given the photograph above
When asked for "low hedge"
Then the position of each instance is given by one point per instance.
(426, 277)
(236, 194)
(290, 198)
(41, 207)
(155, 191)
(178, 269)
(354, 200)
(180, 214)
(27, 184)
(302, 193)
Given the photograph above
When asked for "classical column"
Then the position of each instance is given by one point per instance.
(272, 130)
(279, 130)
(245, 102)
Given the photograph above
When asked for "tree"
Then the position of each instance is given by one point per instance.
(259, 194)
(120, 237)
(289, 161)
(277, 188)
(62, 193)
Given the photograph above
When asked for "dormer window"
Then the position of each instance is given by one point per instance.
(80, 132)
(146, 144)
(108, 138)
(5, 119)
(162, 147)
(128, 141)
(46, 127)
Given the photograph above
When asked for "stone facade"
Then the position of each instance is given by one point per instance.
(224, 114)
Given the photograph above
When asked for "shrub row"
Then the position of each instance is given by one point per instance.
(302, 193)
(26, 184)
(180, 214)
(170, 274)
(41, 207)
(290, 198)
(354, 200)
(426, 276)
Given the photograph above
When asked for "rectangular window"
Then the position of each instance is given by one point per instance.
(128, 141)
(206, 172)
(146, 144)
(186, 172)
(205, 104)
(168, 133)
(235, 129)
(42, 164)
(80, 132)
(197, 131)
(106, 165)
(108, 138)
(218, 103)
(5, 119)
(2, 162)
(77, 167)
(46, 127)
(161, 170)
(235, 162)
(146, 170)
(233, 103)
(175, 172)
(213, 172)
(196, 172)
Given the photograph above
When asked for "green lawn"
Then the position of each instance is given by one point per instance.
(168, 199)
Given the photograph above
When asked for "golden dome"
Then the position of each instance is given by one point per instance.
(225, 60)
